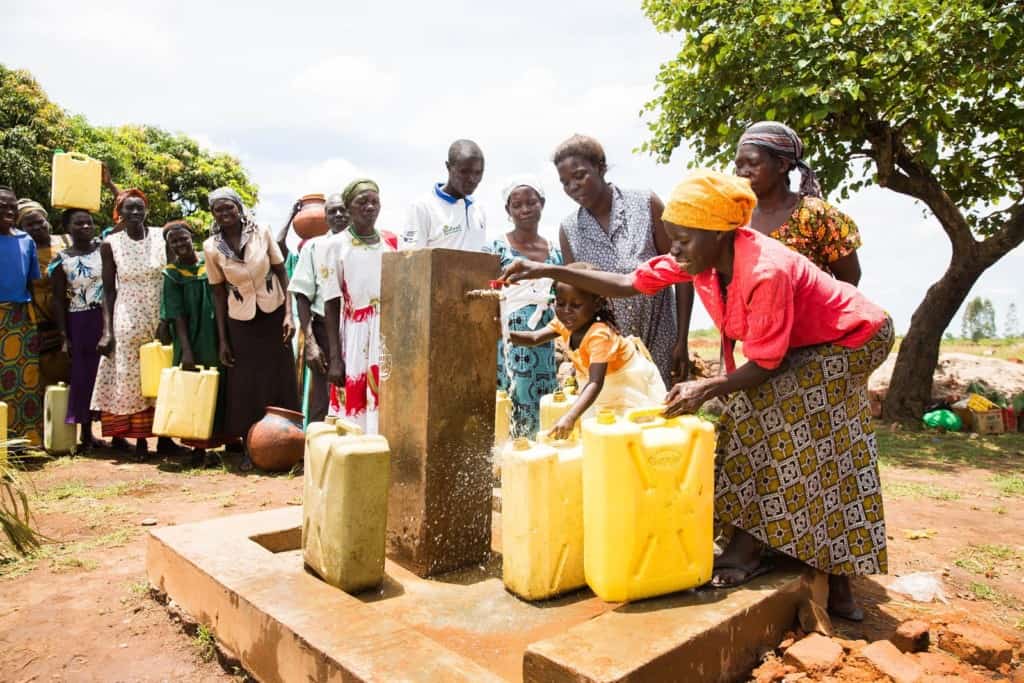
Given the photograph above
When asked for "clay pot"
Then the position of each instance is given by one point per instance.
(311, 221)
(277, 441)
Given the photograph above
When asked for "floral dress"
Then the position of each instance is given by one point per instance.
(526, 373)
(819, 231)
(140, 266)
(84, 275)
(357, 281)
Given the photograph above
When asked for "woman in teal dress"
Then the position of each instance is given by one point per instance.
(526, 373)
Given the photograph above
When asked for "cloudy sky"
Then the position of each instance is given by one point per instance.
(310, 94)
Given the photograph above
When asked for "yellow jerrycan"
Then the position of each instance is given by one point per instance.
(552, 407)
(186, 403)
(153, 358)
(75, 182)
(345, 504)
(542, 518)
(502, 418)
(648, 503)
(58, 437)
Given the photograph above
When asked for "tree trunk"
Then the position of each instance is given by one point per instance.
(910, 388)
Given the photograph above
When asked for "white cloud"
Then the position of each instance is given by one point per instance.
(335, 90)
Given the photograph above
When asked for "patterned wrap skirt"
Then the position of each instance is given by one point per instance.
(20, 386)
(797, 464)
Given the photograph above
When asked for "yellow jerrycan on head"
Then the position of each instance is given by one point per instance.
(153, 358)
(345, 504)
(186, 403)
(648, 503)
(58, 437)
(75, 182)
(542, 518)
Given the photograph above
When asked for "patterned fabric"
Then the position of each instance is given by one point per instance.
(628, 243)
(140, 265)
(357, 281)
(819, 231)
(54, 363)
(19, 373)
(85, 279)
(525, 372)
(135, 426)
(797, 464)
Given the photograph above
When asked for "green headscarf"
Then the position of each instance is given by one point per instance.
(356, 188)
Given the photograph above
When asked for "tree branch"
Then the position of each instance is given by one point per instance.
(1008, 237)
(899, 171)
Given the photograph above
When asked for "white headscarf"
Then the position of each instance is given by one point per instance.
(521, 181)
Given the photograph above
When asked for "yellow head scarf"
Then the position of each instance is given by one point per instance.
(709, 200)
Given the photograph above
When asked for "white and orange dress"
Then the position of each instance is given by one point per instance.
(631, 380)
(357, 282)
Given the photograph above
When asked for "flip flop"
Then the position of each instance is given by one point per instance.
(749, 574)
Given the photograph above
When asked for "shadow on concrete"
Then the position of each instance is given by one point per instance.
(477, 573)
(390, 588)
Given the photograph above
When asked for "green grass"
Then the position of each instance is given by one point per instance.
(1006, 349)
(988, 557)
(935, 450)
(1009, 484)
(205, 643)
(901, 489)
(80, 490)
(67, 556)
(983, 591)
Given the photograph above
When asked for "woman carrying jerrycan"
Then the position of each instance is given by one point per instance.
(796, 432)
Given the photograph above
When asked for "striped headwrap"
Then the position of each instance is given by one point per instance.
(783, 141)
(27, 206)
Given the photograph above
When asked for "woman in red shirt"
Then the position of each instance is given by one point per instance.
(797, 458)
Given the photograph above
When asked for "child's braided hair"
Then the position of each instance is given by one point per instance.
(604, 311)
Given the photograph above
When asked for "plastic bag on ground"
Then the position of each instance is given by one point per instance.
(920, 587)
(946, 419)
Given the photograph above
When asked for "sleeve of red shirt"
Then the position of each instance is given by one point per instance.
(769, 321)
(657, 274)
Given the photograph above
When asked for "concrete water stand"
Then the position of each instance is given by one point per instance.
(243, 578)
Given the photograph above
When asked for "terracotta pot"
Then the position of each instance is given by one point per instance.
(277, 441)
(311, 221)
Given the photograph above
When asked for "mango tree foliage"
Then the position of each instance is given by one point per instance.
(170, 168)
(923, 97)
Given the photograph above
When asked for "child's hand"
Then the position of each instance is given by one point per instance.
(563, 428)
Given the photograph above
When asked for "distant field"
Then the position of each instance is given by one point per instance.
(705, 343)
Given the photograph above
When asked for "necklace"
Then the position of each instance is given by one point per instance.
(363, 240)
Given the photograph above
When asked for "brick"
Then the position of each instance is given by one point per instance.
(976, 645)
(884, 656)
(814, 653)
(912, 636)
(437, 406)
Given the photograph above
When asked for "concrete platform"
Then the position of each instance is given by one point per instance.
(243, 577)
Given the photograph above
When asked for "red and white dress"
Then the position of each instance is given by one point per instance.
(357, 281)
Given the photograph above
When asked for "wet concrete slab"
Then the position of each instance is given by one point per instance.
(243, 577)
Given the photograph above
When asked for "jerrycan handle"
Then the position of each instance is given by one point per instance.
(346, 427)
(647, 417)
(78, 155)
(557, 443)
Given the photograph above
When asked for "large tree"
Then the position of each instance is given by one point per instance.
(169, 167)
(923, 97)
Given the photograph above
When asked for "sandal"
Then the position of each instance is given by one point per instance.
(748, 574)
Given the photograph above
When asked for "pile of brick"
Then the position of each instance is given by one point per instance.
(916, 652)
